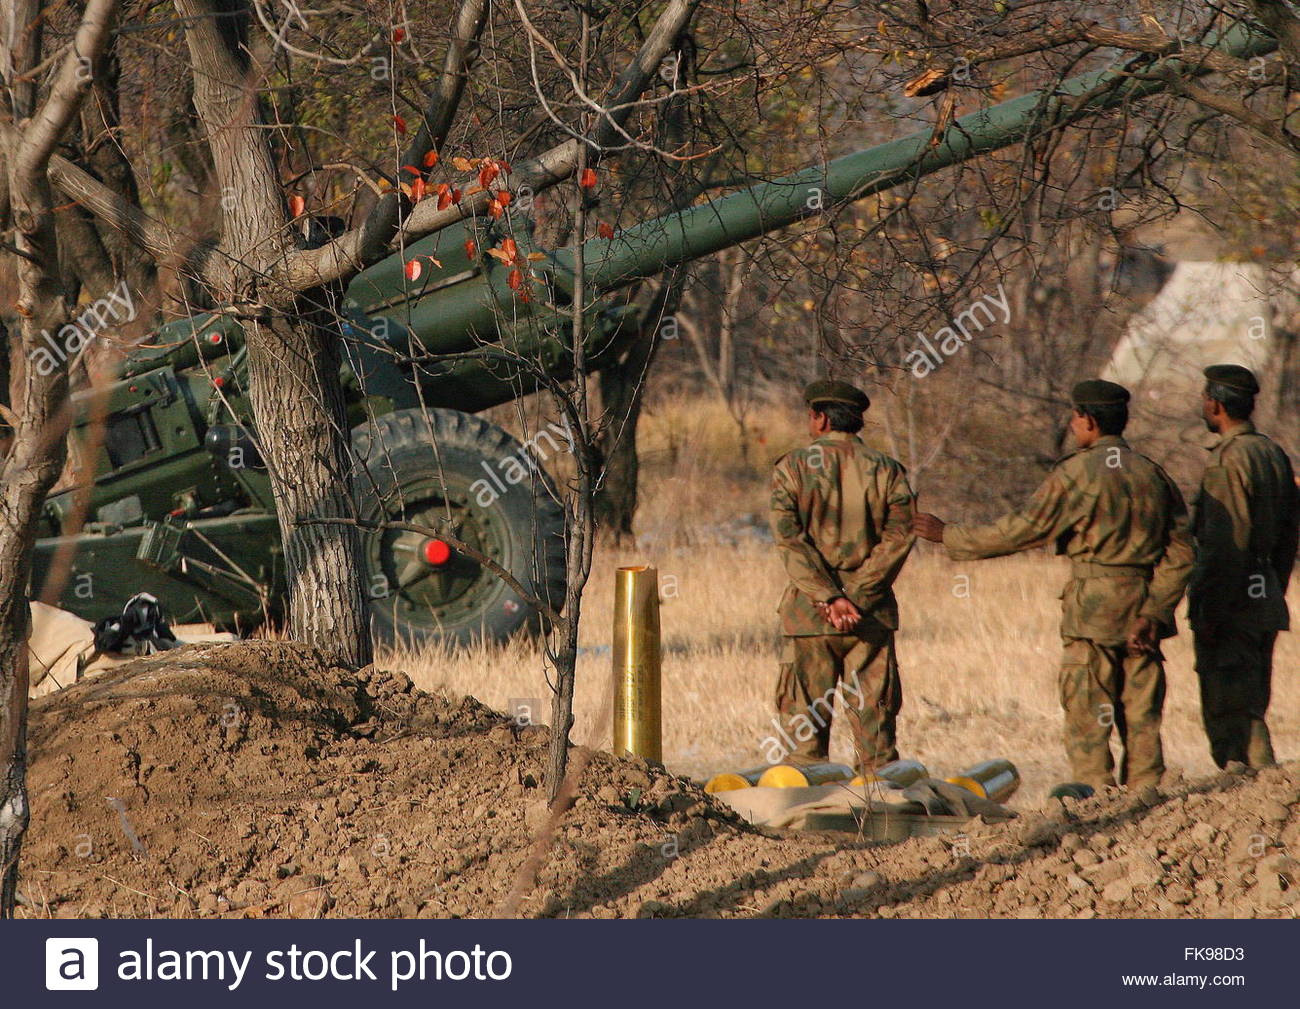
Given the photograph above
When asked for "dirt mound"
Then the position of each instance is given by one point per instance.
(254, 779)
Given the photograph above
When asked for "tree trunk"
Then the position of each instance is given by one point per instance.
(621, 385)
(35, 458)
(37, 395)
(293, 352)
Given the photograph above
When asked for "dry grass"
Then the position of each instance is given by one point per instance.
(979, 673)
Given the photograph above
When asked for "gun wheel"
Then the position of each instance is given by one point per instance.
(447, 472)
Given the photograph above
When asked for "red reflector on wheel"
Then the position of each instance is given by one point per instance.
(436, 552)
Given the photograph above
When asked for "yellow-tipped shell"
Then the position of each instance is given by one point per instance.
(995, 779)
(786, 776)
(970, 784)
(726, 782)
(729, 780)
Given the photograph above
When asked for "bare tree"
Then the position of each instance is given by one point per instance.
(37, 395)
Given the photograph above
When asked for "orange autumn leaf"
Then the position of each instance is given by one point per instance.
(515, 279)
(588, 178)
(398, 35)
(400, 123)
(297, 205)
(504, 197)
(462, 164)
(412, 169)
(494, 210)
(487, 173)
(417, 190)
(470, 248)
(604, 230)
(510, 247)
(500, 256)
(430, 159)
(414, 268)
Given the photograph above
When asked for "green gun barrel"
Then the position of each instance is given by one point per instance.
(465, 305)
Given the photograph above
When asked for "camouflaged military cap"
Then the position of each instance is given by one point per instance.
(1234, 376)
(1099, 392)
(829, 390)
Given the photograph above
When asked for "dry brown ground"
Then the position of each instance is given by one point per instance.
(252, 780)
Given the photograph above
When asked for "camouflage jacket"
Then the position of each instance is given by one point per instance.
(1123, 524)
(1246, 521)
(842, 519)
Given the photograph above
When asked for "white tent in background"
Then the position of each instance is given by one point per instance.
(1206, 313)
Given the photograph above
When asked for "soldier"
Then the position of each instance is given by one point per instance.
(1123, 524)
(1245, 528)
(842, 520)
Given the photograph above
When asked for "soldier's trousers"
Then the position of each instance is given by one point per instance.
(1235, 668)
(1103, 687)
(862, 670)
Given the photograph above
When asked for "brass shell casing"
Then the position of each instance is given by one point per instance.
(638, 727)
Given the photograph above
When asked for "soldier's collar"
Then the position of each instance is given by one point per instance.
(1105, 441)
(839, 436)
(1245, 427)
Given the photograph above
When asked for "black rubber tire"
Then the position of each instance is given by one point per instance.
(421, 465)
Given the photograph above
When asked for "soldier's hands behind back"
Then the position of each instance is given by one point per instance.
(928, 527)
(841, 614)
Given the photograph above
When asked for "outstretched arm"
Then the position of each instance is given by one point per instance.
(1044, 516)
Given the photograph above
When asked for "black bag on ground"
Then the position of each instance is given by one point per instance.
(140, 630)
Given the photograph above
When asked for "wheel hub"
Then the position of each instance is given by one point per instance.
(436, 552)
(422, 579)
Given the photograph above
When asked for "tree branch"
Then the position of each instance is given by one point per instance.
(71, 82)
(340, 259)
(113, 209)
(1256, 122)
(380, 226)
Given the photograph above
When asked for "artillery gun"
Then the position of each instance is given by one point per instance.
(181, 502)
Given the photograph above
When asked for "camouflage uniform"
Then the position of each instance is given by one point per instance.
(1246, 531)
(842, 519)
(1122, 522)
